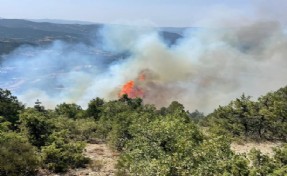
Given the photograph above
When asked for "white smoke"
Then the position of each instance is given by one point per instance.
(206, 68)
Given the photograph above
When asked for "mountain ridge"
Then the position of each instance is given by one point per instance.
(15, 32)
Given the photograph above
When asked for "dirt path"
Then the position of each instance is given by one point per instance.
(264, 147)
(103, 161)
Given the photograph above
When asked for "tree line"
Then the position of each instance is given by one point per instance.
(166, 141)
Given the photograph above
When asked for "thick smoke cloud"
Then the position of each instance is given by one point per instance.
(205, 68)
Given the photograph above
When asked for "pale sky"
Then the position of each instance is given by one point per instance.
(159, 12)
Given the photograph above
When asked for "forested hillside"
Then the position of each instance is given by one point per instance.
(166, 141)
(17, 32)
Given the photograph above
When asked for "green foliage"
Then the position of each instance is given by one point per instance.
(238, 166)
(38, 106)
(94, 108)
(133, 103)
(266, 165)
(168, 145)
(273, 110)
(18, 157)
(77, 129)
(60, 156)
(197, 117)
(175, 107)
(117, 117)
(261, 164)
(280, 158)
(72, 111)
(37, 126)
(111, 114)
(9, 107)
(265, 119)
(4, 125)
(167, 141)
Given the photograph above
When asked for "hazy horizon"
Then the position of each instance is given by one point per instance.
(181, 13)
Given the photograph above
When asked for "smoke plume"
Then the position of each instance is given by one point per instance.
(205, 68)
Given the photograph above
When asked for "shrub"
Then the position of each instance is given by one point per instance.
(60, 156)
(18, 157)
(72, 111)
(9, 107)
(37, 126)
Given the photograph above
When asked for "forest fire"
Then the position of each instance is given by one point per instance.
(133, 90)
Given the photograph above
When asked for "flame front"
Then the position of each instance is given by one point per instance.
(133, 90)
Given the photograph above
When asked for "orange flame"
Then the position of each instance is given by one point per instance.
(132, 90)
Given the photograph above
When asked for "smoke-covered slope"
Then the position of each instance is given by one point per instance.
(14, 32)
(202, 69)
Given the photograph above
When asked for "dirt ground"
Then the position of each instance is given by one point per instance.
(103, 162)
(264, 147)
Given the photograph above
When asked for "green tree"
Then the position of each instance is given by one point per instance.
(223, 122)
(9, 107)
(83, 129)
(175, 107)
(196, 116)
(4, 125)
(62, 154)
(18, 157)
(272, 108)
(280, 158)
(160, 147)
(242, 113)
(37, 126)
(72, 110)
(95, 108)
(38, 106)
(261, 164)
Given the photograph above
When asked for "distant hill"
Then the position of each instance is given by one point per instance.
(17, 32)
(59, 21)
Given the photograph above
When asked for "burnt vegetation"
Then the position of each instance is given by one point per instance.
(151, 141)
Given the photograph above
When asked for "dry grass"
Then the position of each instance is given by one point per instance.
(96, 165)
(99, 151)
(265, 147)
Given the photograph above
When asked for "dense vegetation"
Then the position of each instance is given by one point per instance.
(265, 119)
(167, 141)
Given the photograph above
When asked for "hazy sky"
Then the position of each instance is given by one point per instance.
(159, 12)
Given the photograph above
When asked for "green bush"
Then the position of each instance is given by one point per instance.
(265, 119)
(280, 158)
(37, 126)
(260, 161)
(17, 156)
(10, 107)
(168, 141)
(164, 146)
(4, 124)
(77, 129)
(95, 108)
(62, 154)
(72, 111)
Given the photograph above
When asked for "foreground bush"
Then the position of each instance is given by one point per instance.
(265, 119)
(10, 107)
(78, 129)
(17, 156)
(265, 165)
(169, 145)
(63, 154)
(37, 126)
